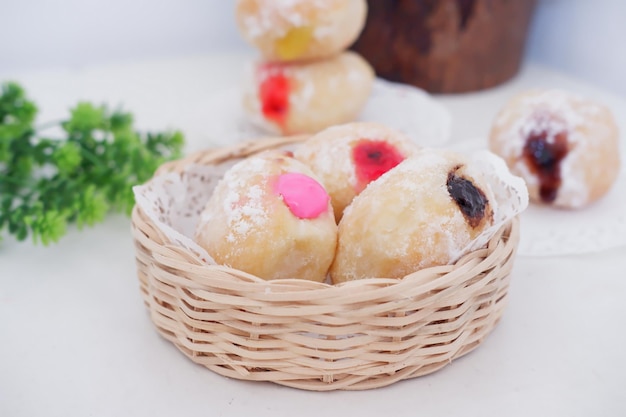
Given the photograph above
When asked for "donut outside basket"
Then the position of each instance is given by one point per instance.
(315, 336)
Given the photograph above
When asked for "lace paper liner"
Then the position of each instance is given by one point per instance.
(510, 193)
(403, 107)
(174, 201)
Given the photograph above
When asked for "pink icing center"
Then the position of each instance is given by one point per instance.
(305, 197)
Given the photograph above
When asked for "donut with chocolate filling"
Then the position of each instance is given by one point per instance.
(424, 212)
(565, 147)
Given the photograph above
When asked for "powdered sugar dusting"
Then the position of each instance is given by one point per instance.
(242, 218)
(322, 32)
(243, 203)
(278, 16)
(548, 111)
(301, 97)
(324, 163)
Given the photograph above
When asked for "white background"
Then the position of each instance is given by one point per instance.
(584, 38)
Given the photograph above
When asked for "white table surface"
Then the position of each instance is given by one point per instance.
(76, 340)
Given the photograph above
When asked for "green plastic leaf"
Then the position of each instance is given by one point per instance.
(47, 183)
(67, 157)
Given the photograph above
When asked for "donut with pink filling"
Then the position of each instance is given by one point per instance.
(271, 217)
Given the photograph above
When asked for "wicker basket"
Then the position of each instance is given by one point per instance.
(357, 335)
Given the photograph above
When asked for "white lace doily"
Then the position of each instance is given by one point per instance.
(510, 192)
(410, 110)
(547, 231)
(175, 201)
(399, 106)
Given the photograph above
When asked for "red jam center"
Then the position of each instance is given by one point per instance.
(274, 96)
(372, 158)
(305, 197)
(544, 160)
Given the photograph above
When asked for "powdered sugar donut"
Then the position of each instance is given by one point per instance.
(287, 30)
(564, 146)
(348, 157)
(305, 98)
(269, 216)
(424, 212)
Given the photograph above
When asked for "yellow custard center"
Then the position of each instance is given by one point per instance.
(294, 43)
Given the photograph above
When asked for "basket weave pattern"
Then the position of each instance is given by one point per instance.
(357, 335)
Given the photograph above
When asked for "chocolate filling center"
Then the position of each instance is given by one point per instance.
(544, 159)
(470, 199)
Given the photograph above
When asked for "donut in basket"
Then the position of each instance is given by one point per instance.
(271, 217)
(419, 263)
